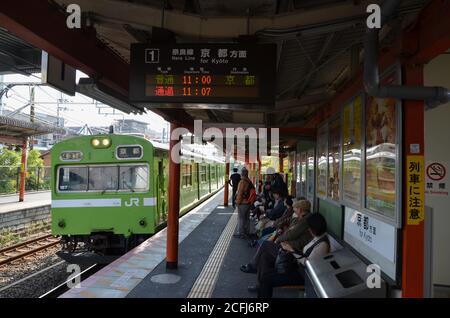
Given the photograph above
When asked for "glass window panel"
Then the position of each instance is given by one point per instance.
(303, 173)
(310, 175)
(351, 134)
(103, 178)
(133, 178)
(73, 179)
(322, 162)
(334, 148)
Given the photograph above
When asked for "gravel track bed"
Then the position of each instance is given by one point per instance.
(38, 284)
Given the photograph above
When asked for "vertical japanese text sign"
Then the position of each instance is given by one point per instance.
(415, 190)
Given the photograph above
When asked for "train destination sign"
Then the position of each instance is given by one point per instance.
(203, 73)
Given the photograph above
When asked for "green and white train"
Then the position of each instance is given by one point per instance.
(109, 192)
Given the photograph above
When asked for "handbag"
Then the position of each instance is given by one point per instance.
(285, 262)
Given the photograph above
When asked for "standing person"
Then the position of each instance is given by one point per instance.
(243, 204)
(233, 182)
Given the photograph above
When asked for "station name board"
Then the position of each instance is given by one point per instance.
(203, 73)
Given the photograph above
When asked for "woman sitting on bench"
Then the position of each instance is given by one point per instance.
(290, 267)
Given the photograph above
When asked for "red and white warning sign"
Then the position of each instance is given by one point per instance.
(437, 181)
(436, 171)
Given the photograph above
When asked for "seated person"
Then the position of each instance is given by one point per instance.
(284, 219)
(278, 206)
(297, 234)
(269, 276)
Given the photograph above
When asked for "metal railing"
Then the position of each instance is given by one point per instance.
(37, 179)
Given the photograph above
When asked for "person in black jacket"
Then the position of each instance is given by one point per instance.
(233, 182)
(278, 207)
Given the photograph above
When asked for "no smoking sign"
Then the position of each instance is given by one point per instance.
(436, 171)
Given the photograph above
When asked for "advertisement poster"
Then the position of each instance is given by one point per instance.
(303, 173)
(381, 150)
(271, 162)
(334, 147)
(322, 154)
(351, 133)
(310, 175)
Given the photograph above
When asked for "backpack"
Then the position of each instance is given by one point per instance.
(250, 194)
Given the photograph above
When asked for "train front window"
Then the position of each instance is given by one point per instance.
(73, 179)
(103, 178)
(133, 178)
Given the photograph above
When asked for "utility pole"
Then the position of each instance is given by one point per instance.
(1, 95)
(32, 114)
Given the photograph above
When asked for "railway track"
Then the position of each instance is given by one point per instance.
(21, 250)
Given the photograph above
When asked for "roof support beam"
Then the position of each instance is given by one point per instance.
(79, 48)
(142, 16)
(323, 52)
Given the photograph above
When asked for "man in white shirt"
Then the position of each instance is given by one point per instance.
(318, 247)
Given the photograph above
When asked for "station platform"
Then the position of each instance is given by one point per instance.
(16, 216)
(11, 202)
(209, 261)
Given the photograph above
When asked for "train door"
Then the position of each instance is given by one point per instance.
(161, 190)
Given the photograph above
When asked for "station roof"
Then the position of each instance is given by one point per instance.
(13, 131)
(314, 39)
(319, 45)
(17, 56)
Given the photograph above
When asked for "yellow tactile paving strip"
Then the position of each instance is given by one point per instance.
(206, 281)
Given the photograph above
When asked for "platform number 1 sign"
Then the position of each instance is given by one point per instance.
(152, 56)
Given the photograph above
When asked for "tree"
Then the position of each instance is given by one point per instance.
(10, 162)
(9, 165)
(34, 166)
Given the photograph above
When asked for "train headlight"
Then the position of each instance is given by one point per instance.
(95, 142)
(106, 142)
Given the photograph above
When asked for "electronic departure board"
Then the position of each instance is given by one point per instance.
(203, 73)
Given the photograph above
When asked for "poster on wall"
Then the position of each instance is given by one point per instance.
(351, 147)
(322, 161)
(303, 173)
(382, 163)
(334, 149)
(310, 175)
(437, 179)
(269, 164)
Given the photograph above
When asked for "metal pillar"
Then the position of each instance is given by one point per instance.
(23, 170)
(174, 203)
(226, 186)
(413, 234)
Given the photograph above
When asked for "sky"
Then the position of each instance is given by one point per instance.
(77, 111)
